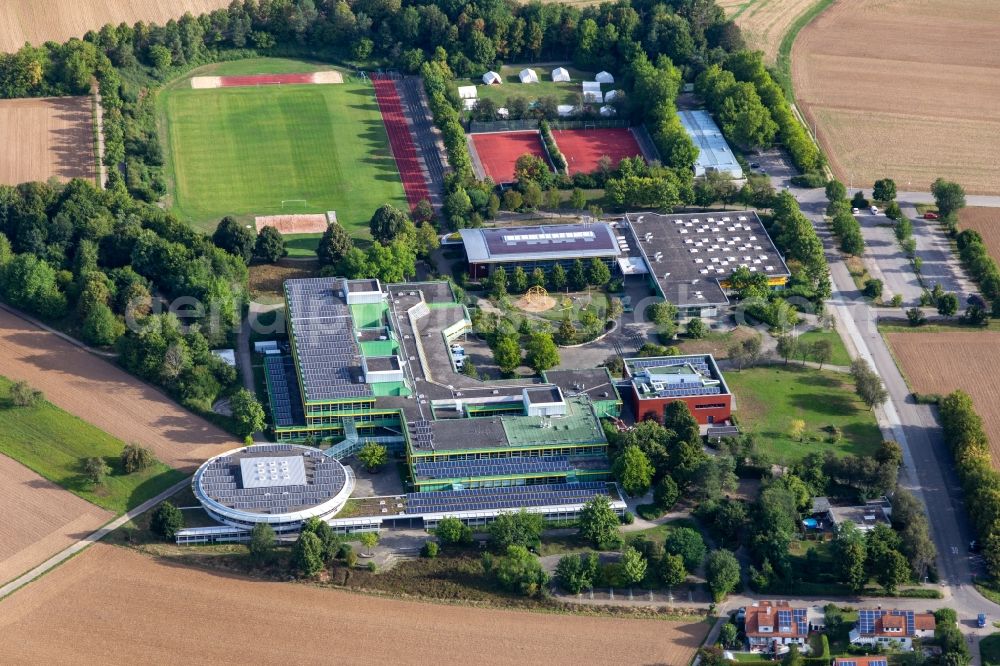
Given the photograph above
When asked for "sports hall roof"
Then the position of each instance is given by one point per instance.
(714, 153)
(541, 243)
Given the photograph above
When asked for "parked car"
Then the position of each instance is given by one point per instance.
(981, 620)
(754, 165)
(458, 350)
(855, 211)
(459, 362)
(930, 215)
(874, 210)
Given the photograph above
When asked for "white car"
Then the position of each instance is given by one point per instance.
(855, 211)
(874, 210)
(458, 349)
(459, 362)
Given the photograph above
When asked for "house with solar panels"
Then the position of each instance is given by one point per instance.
(771, 626)
(862, 660)
(538, 247)
(896, 628)
(655, 382)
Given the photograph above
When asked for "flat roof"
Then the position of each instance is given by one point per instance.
(543, 395)
(540, 243)
(382, 363)
(596, 383)
(578, 426)
(714, 152)
(699, 372)
(689, 254)
(324, 340)
(270, 479)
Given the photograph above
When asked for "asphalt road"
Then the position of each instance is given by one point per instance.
(928, 470)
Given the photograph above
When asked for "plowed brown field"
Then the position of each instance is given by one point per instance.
(46, 137)
(987, 222)
(906, 89)
(42, 519)
(37, 21)
(944, 362)
(106, 396)
(110, 600)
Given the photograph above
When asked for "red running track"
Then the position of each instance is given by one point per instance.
(401, 141)
(498, 152)
(583, 149)
(264, 80)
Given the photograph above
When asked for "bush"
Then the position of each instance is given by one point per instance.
(166, 520)
(453, 532)
(430, 550)
(22, 395)
(812, 179)
(344, 550)
(628, 518)
(136, 458)
(648, 511)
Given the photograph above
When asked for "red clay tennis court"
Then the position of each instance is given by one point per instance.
(584, 148)
(498, 152)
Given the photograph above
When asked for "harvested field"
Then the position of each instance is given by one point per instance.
(46, 137)
(583, 149)
(765, 22)
(926, 104)
(37, 21)
(943, 362)
(312, 223)
(498, 152)
(106, 396)
(116, 596)
(987, 222)
(47, 519)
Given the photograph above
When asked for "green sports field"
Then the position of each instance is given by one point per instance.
(242, 151)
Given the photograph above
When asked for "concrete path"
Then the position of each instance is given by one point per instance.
(94, 537)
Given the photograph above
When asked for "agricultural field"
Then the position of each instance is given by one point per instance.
(946, 361)
(117, 596)
(54, 444)
(926, 104)
(106, 396)
(270, 150)
(987, 222)
(47, 519)
(769, 398)
(49, 137)
(38, 21)
(764, 23)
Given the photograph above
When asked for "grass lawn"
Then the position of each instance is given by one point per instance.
(242, 151)
(567, 93)
(840, 356)
(54, 444)
(304, 245)
(768, 399)
(989, 650)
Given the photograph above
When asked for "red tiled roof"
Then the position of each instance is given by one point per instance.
(923, 622)
(766, 614)
(860, 660)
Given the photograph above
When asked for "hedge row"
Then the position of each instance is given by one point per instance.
(965, 436)
(980, 264)
(558, 159)
(747, 66)
(446, 118)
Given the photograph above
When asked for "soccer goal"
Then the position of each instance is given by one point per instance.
(293, 203)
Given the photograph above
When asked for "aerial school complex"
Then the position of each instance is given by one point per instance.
(368, 362)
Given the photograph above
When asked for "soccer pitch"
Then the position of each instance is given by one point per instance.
(243, 151)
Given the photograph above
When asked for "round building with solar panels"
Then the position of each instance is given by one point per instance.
(282, 485)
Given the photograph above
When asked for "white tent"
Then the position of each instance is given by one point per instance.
(560, 74)
(492, 79)
(608, 111)
(467, 92)
(528, 76)
(604, 77)
(564, 110)
(592, 91)
(611, 95)
(469, 104)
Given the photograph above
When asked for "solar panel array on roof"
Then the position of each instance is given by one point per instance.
(868, 618)
(422, 435)
(283, 390)
(465, 469)
(487, 499)
(222, 481)
(325, 341)
(551, 239)
(801, 624)
(699, 363)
